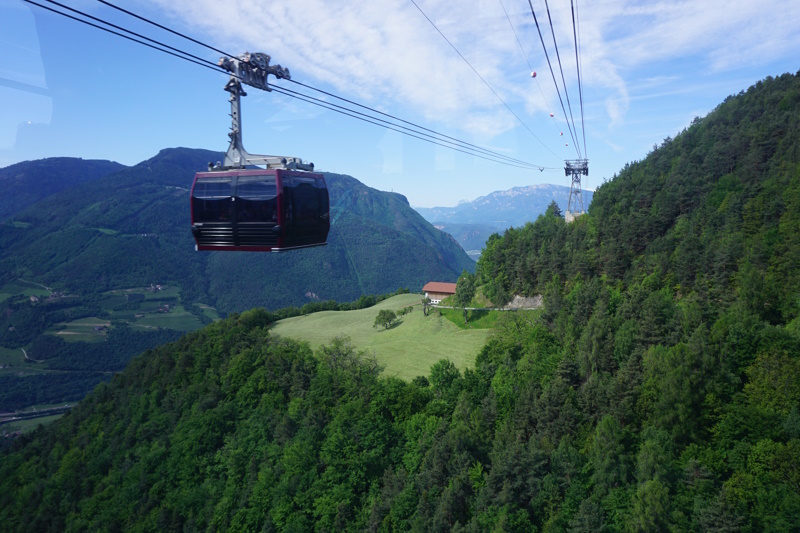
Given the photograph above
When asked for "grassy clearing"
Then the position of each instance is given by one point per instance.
(12, 288)
(145, 313)
(178, 319)
(475, 319)
(29, 425)
(82, 330)
(150, 307)
(168, 292)
(210, 312)
(39, 293)
(24, 284)
(22, 287)
(41, 406)
(9, 356)
(112, 301)
(406, 350)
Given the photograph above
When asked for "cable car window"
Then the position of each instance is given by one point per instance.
(306, 199)
(257, 199)
(324, 201)
(211, 200)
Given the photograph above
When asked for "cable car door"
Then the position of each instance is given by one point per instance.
(306, 210)
(256, 210)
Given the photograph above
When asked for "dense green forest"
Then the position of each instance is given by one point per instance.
(659, 388)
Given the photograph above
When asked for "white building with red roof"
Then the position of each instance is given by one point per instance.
(437, 291)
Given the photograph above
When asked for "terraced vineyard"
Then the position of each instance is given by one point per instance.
(55, 346)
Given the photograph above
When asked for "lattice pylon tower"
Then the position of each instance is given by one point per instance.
(575, 169)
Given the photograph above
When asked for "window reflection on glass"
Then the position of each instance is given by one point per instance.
(306, 199)
(211, 201)
(257, 199)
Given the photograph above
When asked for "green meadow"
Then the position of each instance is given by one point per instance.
(11, 356)
(91, 329)
(406, 350)
(26, 426)
(178, 319)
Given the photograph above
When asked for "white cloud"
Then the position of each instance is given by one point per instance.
(384, 53)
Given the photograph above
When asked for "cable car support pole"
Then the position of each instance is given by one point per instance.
(575, 168)
(253, 70)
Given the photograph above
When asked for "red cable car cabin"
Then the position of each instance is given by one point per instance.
(259, 210)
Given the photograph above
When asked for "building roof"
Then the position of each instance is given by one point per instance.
(440, 287)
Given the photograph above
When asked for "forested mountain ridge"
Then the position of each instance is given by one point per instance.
(73, 259)
(131, 229)
(718, 196)
(658, 390)
(23, 184)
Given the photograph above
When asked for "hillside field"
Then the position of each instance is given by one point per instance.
(406, 350)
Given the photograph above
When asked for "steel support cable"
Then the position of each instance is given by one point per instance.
(156, 24)
(202, 64)
(549, 64)
(481, 78)
(441, 136)
(393, 126)
(515, 35)
(563, 80)
(527, 60)
(165, 28)
(344, 111)
(140, 36)
(180, 54)
(576, 34)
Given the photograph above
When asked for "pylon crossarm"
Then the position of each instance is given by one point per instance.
(253, 70)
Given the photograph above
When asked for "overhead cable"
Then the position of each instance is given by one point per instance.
(563, 80)
(202, 63)
(550, 65)
(170, 30)
(375, 121)
(481, 77)
(426, 137)
(527, 60)
(441, 135)
(145, 19)
(440, 139)
(576, 34)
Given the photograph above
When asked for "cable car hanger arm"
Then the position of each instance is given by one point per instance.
(252, 69)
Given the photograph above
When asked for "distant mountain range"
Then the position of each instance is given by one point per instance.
(471, 223)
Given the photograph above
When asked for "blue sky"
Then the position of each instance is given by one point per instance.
(648, 68)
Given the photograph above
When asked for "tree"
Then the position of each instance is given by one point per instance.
(426, 303)
(385, 318)
(465, 291)
(445, 378)
(650, 507)
(554, 210)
